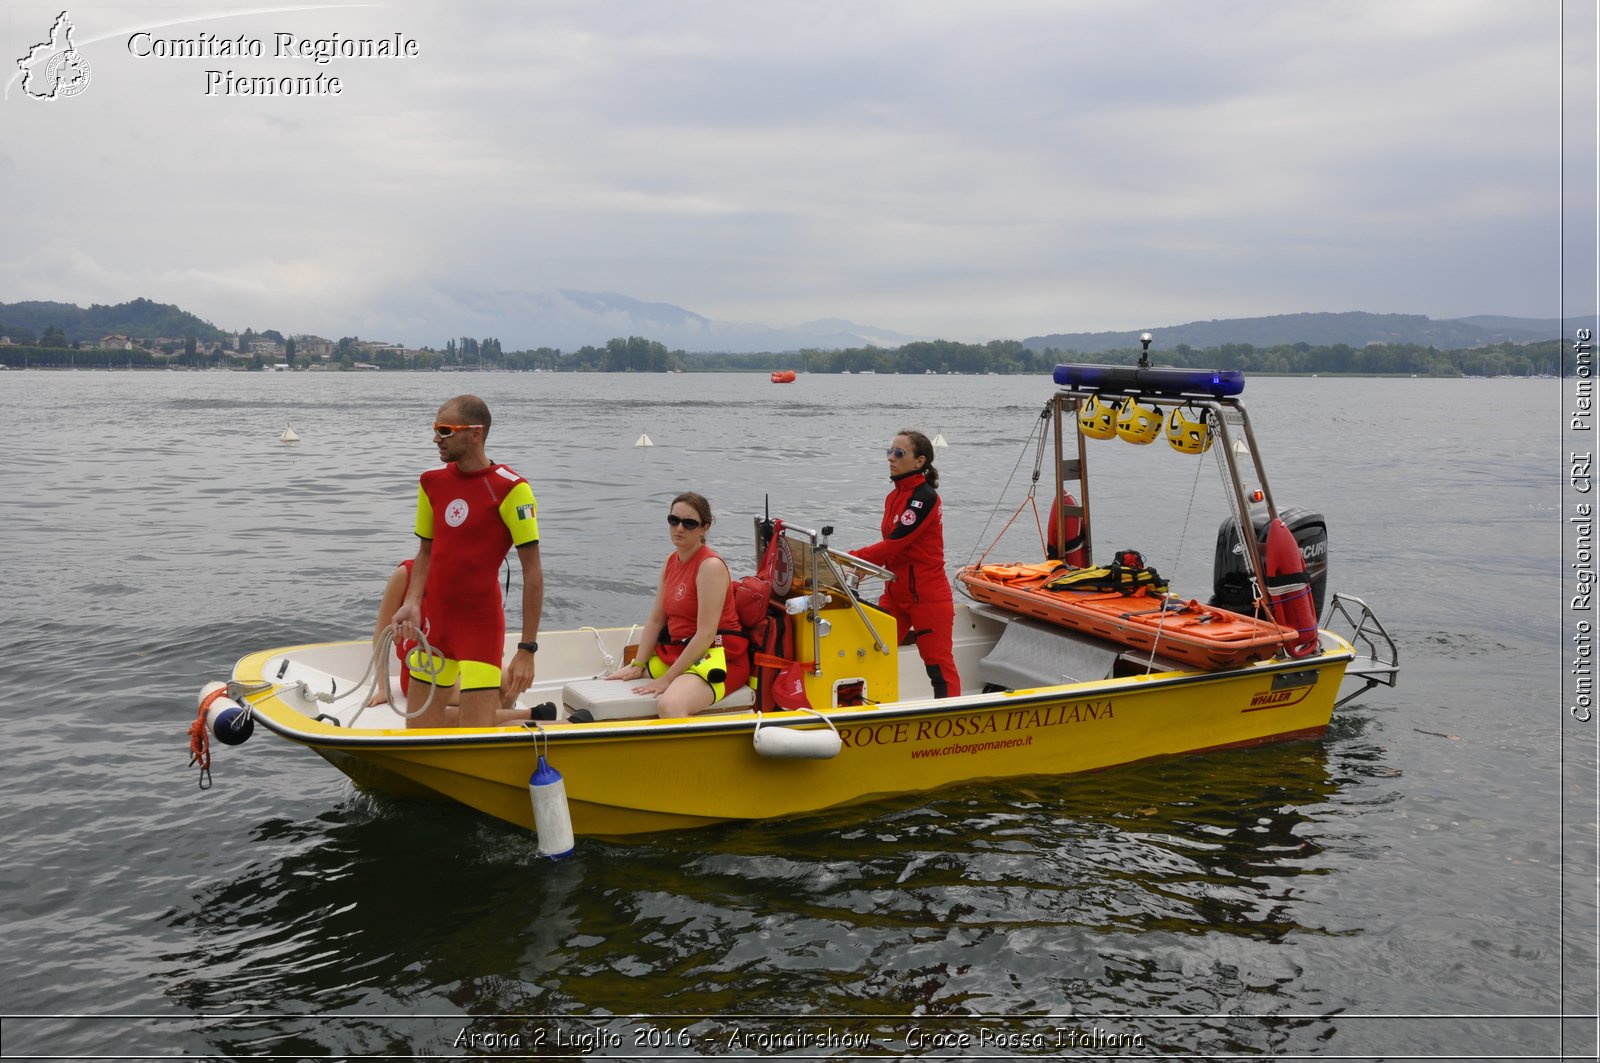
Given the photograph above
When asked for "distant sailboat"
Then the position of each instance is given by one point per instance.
(938, 441)
(289, 435)
(643, 441)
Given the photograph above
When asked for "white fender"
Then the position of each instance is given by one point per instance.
(791, 743)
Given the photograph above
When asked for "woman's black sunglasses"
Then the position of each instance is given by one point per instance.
(689, 523)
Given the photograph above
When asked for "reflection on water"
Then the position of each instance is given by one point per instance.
(1079, 888)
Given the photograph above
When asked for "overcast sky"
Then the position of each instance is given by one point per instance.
(962, 169)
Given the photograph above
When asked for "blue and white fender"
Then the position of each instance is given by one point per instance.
(227, 721)
(552, 819)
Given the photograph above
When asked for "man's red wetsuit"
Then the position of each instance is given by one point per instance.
(473, 519)
(919, 598)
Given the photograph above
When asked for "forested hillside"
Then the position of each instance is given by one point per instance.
(29, 323)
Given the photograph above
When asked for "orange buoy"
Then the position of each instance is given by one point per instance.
(1289, 588)
(783, 376)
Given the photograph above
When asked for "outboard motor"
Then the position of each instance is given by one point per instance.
(1231, 572)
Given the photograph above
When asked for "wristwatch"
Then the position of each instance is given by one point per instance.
(531, 647)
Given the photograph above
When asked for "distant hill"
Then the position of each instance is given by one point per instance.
(140, 319)
(1527, 329)
(1353, 329)
(568, 319)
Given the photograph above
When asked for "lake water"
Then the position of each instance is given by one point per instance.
(1421, 882)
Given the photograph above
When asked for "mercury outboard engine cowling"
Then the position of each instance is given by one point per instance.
(1231, 571)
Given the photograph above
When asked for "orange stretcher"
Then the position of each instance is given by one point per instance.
(1184, 631)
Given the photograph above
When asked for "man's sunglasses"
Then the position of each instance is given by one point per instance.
(689, 523)
(445, 431)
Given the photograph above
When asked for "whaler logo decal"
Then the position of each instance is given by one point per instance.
(1276, 699)
(1288, 688)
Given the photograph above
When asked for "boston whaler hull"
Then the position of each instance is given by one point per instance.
(1106, 679)
(633, 775)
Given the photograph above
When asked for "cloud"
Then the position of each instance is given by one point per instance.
(958, 169)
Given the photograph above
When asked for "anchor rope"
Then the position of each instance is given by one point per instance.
(200, 739)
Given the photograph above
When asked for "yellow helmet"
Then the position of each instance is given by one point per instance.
(1138, 423)
(1097, 418)
(1191, 437)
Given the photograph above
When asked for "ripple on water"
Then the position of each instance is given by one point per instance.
(1252, 902)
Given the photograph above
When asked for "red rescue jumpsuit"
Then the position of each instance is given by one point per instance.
(919, 598)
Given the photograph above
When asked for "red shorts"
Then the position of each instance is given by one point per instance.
(476, 641)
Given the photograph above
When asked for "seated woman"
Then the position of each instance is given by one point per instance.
(697, 653)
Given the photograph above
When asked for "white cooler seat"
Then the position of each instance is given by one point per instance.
(614, 699)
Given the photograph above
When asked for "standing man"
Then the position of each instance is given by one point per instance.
(469, 513)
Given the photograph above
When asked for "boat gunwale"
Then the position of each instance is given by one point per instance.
(655, 727)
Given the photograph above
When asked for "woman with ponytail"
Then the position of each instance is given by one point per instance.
(912, 548)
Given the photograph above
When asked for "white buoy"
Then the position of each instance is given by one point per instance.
(552, 819)
(643, 441)
(289, 435)
(938, 441)
(791, 743)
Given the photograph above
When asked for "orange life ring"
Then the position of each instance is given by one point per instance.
(1075, 554)
(1289, 588)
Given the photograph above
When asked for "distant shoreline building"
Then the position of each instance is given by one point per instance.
(312, 347)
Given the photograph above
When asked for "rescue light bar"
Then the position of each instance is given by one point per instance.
(1149, 380)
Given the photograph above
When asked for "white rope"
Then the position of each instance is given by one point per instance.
(433, 665)
(611, 662)
(367, 685)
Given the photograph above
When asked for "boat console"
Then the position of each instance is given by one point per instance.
(847, 648)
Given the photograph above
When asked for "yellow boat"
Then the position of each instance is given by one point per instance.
(1042, 700)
